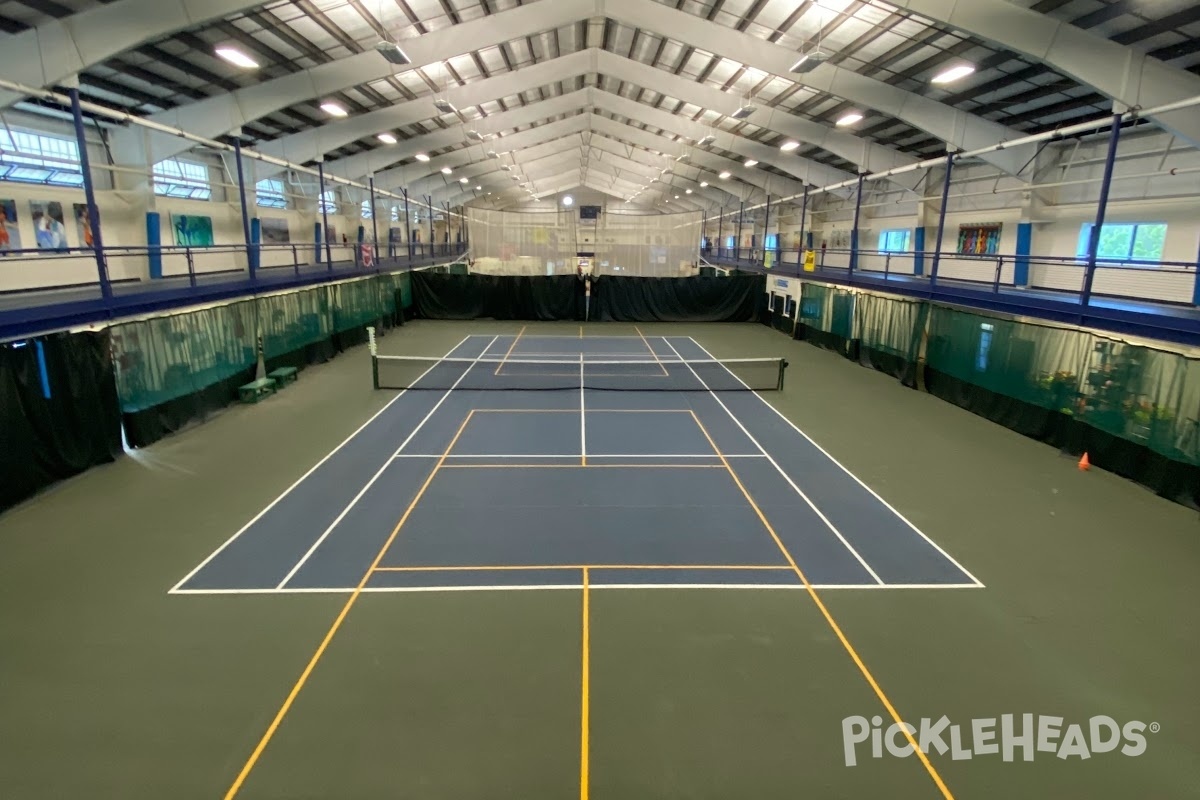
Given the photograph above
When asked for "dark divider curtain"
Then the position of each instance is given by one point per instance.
(559, 297)
(699, 299)
(46, 439)
(441, 296)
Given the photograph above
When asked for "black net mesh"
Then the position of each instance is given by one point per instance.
(405, 372)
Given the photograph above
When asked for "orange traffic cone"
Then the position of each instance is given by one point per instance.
(1084, 464)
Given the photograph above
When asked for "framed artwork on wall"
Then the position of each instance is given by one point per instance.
(192, 231)
(49, 226)
(10, 235)
(83, 225)
(274, 230)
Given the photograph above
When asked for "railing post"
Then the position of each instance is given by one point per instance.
(887, 265)
(941, 226)
(1110, 159)
(429, 208)
(1196, 283)
(89, 192)
(187, 254)
(854, 230)
(241, 179)
(999, 269)
(296, 260)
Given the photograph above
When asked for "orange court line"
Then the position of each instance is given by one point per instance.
(651, 349)
(585, 679)
(511, 347)
(854, 656)
(337, 623)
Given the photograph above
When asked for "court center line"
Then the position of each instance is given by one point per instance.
(298, 481)
(651, 349)
(854, 656)
(828, 522)
(844, 469)
(337, 521)
(585, 692)
(511, 347)
(337, 623)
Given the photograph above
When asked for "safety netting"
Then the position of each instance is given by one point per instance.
(649, 245)
(522, 243)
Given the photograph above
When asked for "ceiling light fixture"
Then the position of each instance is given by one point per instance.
(568, 200)
(392, 52)
(462, 180)
(809, 61)
(849, 119)
(386, 138)
(421, 157)
(478, 188)
(749, 162)
(744, 111)
(724, 175)
(789, 145)
(689, 191)
(475, 136)
(703, 184)
(706, 140)
(333, 109)
(445, 106)
(446, 170)
(953, 74)
(237, 57)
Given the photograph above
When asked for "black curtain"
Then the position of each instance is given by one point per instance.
(441, 296)
(46, 439)
(561, 297)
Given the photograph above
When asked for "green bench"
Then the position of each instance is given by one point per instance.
(283, 375)
(256, 390)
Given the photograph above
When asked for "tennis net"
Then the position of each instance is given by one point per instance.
(747, 374)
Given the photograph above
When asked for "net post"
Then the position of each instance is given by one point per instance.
(782, 367)
(374, 349)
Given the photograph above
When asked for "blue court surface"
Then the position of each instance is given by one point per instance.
(474, 479)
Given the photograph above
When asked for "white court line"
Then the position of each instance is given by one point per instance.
(857, 480)
(298, 481)
(525, 456)
(582, 414)
(325, 534)
(577, 586)
(828, 523)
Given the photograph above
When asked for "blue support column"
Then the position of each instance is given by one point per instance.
(766, 230)
(429, 208)
(1196, 283)
(737, 243)
(154, 243)
(407, 224)
(919, 250)
(374, 216)
(854, 230)
(1110, 159)
(256, 241)
(1024, 248)
(89, 193)
(803, 219)
(317, 238)
(324, 214)
(251, 252)
(941, 227)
